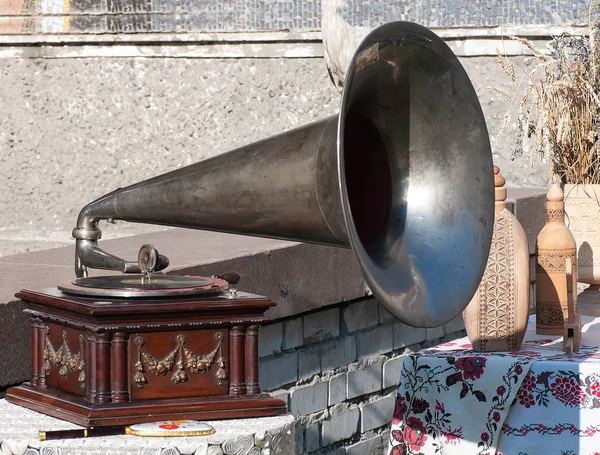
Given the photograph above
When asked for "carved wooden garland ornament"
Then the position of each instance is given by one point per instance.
(63, 359)
(181, 357)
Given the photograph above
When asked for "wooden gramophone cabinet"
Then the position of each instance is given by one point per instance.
(99, 361)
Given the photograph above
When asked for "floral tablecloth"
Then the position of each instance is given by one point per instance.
(536, 401)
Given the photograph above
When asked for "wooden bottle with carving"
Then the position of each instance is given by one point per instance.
(496, 317)
(555, 244)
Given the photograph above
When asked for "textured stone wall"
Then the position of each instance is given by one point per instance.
(75, 129)
(157, 16)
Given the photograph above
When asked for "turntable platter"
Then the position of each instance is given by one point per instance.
(139, 285)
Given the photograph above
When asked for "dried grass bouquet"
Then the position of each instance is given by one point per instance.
(558, 103)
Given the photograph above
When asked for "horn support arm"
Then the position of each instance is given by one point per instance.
(87, 234)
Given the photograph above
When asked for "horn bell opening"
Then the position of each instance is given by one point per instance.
(415, 174)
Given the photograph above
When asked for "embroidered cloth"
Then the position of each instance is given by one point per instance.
(454, 401)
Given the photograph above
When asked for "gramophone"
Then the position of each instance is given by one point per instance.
(403, 176)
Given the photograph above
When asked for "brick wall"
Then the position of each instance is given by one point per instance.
(338, 368)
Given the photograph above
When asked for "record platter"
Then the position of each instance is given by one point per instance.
(141, 285)
(132, 348)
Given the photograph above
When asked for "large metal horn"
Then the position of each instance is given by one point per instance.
(403, 176)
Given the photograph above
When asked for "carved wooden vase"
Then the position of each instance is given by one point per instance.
(496, 317)
(582, 216)
(555, 244)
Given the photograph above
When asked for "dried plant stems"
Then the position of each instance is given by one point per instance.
(594, 21)
(558, 103)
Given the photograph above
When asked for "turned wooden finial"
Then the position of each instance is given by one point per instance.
(500, 190)
(555, 194)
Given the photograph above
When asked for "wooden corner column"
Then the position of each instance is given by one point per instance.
(238, 381)
(252, 384)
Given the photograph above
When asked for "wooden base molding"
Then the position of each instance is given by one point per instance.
(77, 410)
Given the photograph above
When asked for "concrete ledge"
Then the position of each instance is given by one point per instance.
(464, 42)
(529, 207)
(308, 49)
(449, 33)
(298, 277)
(462, 47)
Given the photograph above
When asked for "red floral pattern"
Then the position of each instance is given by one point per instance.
(471, 367)
(168, 426)
(415, 434)
(595, 390)
(429, 417)
(418, 421)
(541, 429)
(399, 410)
(399, 450)
(526, 398)
(567, 387)
(567, 390)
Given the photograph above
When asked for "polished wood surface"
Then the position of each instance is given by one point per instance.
(121, 361)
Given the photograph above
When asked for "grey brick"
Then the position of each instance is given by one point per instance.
(434, 334)
(292, 333)
(377, 413)
(338, 353)
(282, 395)
(309, 363)
(339, 427)
(364, 381)
(337, 389)
(405, 335)
(309, 398)
(338, 451)
(299, 438)
(456, 325)
(385, 315)
(391, 371)
(312, 437)
(278, 370)
(385, 436)
(372, 446)
(322, 325)
(269, 339)
(360, 315)
(379, 340)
